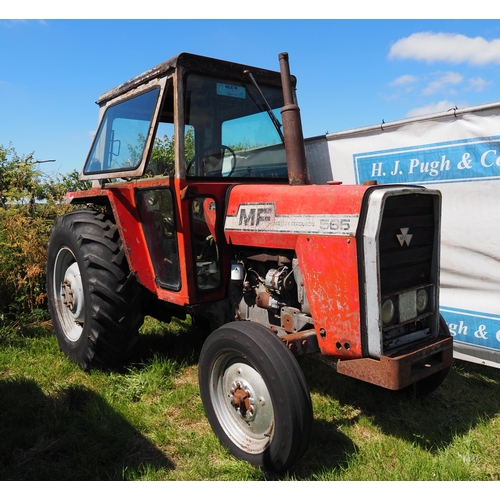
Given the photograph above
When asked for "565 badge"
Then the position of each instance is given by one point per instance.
(263, 217)
(337, 224)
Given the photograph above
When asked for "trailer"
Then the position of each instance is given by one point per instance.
(458, 153)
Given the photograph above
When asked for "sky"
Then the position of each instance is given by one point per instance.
(351, 72)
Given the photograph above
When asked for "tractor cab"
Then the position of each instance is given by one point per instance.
(227, 117)
(170, 144)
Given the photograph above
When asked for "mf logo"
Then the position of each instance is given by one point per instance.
(404, 237)
(261, 214)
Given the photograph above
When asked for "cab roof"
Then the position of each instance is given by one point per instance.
(200, 64)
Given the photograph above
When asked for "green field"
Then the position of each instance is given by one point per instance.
(146, 421)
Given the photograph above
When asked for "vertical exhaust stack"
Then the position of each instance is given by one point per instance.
(292, 129)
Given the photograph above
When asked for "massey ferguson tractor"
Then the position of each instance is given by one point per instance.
(201, 204)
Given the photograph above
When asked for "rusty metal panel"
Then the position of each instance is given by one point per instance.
(399, 372)
(301, 343)
(192, 62)
(292, 129)
(329, 268)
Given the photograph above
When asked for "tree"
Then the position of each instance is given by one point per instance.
(162, 159)
(29, 202)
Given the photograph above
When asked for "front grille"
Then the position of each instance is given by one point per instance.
(406, 249)
(400, 261)
(407, 261)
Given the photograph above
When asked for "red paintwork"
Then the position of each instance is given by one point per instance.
(291, 200)
(121, 198)
(210, 218)
(310, 199)
(329, 267)
(328, 263)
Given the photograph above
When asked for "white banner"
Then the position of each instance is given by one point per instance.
(459, 154)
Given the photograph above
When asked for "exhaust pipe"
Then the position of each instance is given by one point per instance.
(292, 129)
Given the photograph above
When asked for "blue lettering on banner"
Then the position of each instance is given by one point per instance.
(454, 161)
(473, 328)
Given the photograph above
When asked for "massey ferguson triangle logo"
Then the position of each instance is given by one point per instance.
(404, 237)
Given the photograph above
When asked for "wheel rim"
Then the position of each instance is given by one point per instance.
(68, 294)
(242, 402)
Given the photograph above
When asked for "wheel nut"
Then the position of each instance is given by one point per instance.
(240, 399)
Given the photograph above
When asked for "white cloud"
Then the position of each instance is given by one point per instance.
(447, 47)
(478, 84)
(403, 81)
(438, 107)
(10, 23)
(443, 82)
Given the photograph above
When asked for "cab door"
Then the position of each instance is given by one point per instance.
(156, 211)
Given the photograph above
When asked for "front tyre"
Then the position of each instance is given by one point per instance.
(255, 395)
(93, 298)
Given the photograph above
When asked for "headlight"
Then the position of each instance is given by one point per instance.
(422, 300)
(387, 311)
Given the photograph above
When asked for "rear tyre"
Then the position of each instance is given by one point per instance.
(94, 300)
(428, 385)
(255, 395)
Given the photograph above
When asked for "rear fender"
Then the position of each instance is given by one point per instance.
(121, 203)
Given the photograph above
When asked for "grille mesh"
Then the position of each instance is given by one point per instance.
(406, 265)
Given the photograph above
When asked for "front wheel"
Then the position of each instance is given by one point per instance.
(255, 395)
(93, 298)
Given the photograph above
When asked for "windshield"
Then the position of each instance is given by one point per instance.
(121, 138)
(234, 136)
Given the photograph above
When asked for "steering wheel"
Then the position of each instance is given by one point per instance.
(215, 151)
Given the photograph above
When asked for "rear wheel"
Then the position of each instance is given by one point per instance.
(255, 395)
(94, 300)
(429, 384)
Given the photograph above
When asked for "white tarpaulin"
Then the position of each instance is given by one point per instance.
(458, 153)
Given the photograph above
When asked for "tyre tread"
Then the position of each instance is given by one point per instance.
(111, 329)
(293, 403)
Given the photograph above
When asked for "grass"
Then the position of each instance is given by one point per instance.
(146, 420)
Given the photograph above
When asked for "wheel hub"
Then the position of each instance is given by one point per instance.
(72, 293)
(67, 294)
(241, 401)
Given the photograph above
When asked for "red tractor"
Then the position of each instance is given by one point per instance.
(221, 222)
